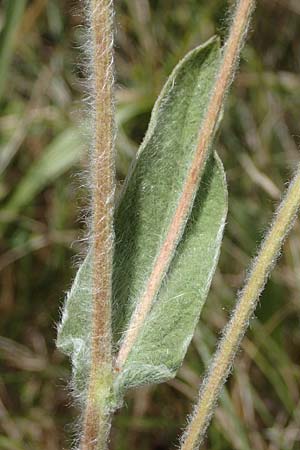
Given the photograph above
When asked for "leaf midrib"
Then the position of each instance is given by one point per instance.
(167, 249)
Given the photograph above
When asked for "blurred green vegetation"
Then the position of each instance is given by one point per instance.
(44, 143)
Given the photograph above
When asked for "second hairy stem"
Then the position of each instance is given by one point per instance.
(97, 414)
(237, 326)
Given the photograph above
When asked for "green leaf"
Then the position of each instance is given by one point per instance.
(154, 187)
(142, 219)
(162, 344)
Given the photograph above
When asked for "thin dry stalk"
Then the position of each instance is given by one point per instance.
(225, 75)
(96, 420)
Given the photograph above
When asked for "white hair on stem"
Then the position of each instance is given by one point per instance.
(96, 415)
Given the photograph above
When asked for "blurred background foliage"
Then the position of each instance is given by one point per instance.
(44, 143)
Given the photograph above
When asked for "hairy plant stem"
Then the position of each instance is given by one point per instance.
(237, 326)
(223, 80)
(97, 414)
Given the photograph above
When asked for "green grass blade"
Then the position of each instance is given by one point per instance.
(56, 159)
(13, 16)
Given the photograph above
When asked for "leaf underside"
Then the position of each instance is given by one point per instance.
(142, 219)
(161, 346)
